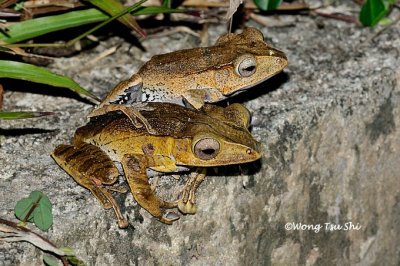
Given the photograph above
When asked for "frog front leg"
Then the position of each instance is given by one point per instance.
(187, 203)
(91, 168)
(126, 97)
(196, 98)
(135, 172)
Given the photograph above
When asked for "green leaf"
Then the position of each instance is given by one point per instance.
(372, 11)
(75, 261)
(68, 250)
(50, 261)
(26, 206)
(22, 209)
(42, 216)
(38, 207)
(385, 21)
(22, 115)
(267, 4)
(166, 3)
(17, 70)
(113, 7)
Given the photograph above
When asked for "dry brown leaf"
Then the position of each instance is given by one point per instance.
(21, 52)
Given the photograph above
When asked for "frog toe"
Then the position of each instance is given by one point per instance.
(187, 208)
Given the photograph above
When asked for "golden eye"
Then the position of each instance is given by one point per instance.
(206, 148)
(246, 66)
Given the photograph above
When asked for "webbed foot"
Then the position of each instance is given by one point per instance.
(187, 204)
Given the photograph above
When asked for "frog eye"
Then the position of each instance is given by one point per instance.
(206, 148)
(246, 66)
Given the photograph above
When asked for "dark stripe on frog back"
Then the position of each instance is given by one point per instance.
(60, 150)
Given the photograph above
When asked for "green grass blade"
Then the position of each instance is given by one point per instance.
(123, 12)
(114, 7)
(17, 70)
(35, 27)
(22, 115)
(29, 29)
(267, 4)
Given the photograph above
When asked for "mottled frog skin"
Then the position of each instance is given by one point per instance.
(193, 77)
(182, 139)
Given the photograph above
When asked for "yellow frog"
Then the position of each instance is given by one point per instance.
(199, 75)
(183, 138)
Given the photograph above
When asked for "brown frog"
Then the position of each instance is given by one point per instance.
(183, 139)
(192, 77)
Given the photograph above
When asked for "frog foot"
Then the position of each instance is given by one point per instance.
(187, 203)
(142, 106)
(121, 220)
(187, 208)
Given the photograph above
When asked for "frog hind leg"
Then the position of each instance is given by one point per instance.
(187, 203)
(91, 168)
(135, 172)
(131, 111)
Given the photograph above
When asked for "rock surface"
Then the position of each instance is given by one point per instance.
(330, 131)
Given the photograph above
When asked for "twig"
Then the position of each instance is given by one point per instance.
(336, 16)
(63, 3)
(1, 96)
(173, 31)
(7, 3)
(21, 52)
(13, 233)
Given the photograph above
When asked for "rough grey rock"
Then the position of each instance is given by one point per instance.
(330, 132)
